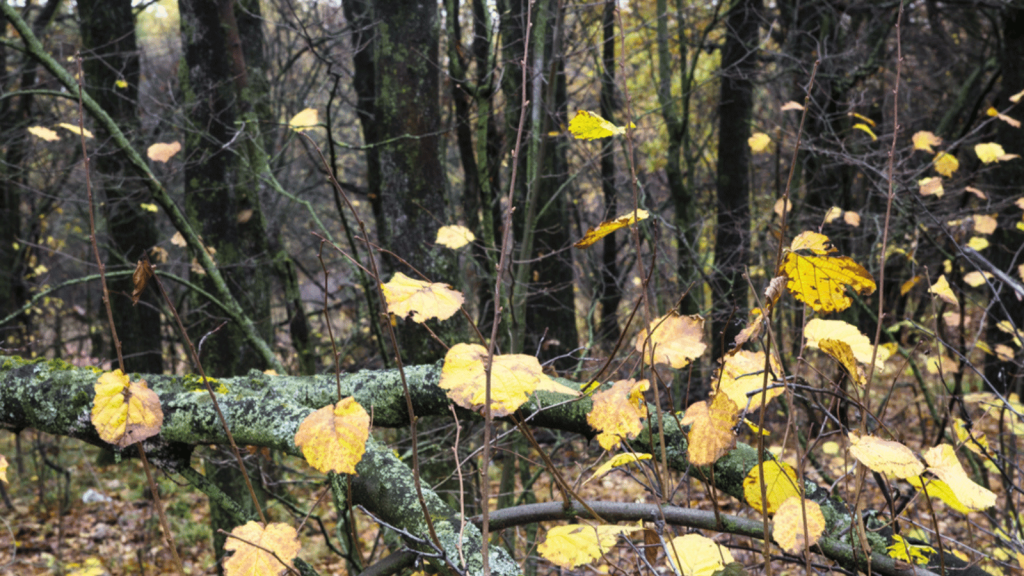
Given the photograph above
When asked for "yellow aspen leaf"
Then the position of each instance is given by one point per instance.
(843, 353)
(975, 278)
(710, 436)
(924, 140)
(980, 194)
(125, 412)
(577, 544)
(779, 206)
(454, 237)
(605, 228)
(974, 440)
(866, 129)
(589, 126)
(618, 411)
(676, 340)
(513, 378)
(901, 549)
(149, 207)
(985, 223)
(697, 555)
(989, 152)
(942, 462)
(305, 120)
(938, 489)
(946, 164)
(818, 329)
(788, 525)
(178, 240)
(44, 133)
(791, 105)
(1006, 326)
(741, 378)
(619, 460)
(333, 439)
(885, 456)
(424, 300)
(759, 142)
(3, 469)
(832, 214)
(866, 120)
(852, 218)
(1008, 119)
(909, 285)
(255, 548)
(978, 243)
(73, 128)
(820, 278)
(942, 289)
(930, 186)
(1003, 353)
(163, 151)
(780, 481)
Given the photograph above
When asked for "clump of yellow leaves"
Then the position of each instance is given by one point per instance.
(333, 439)
(741, 378)
(710, 436)
(675, 339)
(454, 237)
(942, 462)
(617, 412)
(513, 378)
(255, 547)
(696, 555)
(607, 227)
(125, 412)
(619, 460)
(589, 126)
(788, 529)
(885, 456)
(818, 278)
(577, 544)
(424, 300)
(903, 550)
(780, 484)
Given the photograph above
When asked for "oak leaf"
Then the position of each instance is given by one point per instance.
(696, 555)
(125, 412)
(676, 340)
(818, 278)
(255, 548)
(710, 436)
(789, 526)
(605, 228)
(577, 544)
(424, 300)
(333, 438)
(885, 456)
(618, 411)
(780, 483)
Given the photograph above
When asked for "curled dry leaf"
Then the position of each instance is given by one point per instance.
(780, 484)
(125, 412)
(791, 105)
(163, 151)
(866, 129)
(980, 194)
(179, 240)
(885, 456)
(818, 278)
(454, 237)
(617, 412)
(942, 462)
(255, 548)
(424, 300)
(333, 439)
(675, 339)
(605, 228)
(775, 290)
(143, 272)
(710, 436)
(577, 544)
(789, 527)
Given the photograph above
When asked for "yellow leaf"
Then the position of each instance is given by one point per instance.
(984, 223)
(851, 218)
(977, 192)
(742, 374)
(751, 331)
(978, 243)
(244, 216)
(1004, 353)
(1006, 326)
(820, 279)
(989, 152)
(125, 412)
(589, 126)
(3, 468)
(930, 187)
(943, 463)
(924, 140)
(255, 547)
(759, 142)
(44, 133)
(178, 240)
(779, 204)
(843, 353)
(513, 378)
(696, 555)
(974, 440)
(781, 483)
(305, 120)
(885, 456)
(617, 412)
(424, 300)
(946, 164)
(818, 329)
(903, 550)
(121, 83)
(942, 289)
(605, 228)
(866, 129)
(938, 489)
(333, 439)
(163, 151)
(149, 207)
(791, 105)
(866, 120)
(618, 460)
(710, 436)
(577, 544)
(1008, 119)
(943, 362)
(789, 526)
(676, 340)
(1016, 98)
(975, 278)
(832, 214)
(73, 128)
(454, 237)
(92, 566)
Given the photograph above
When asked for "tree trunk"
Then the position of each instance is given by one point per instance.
(611, 289)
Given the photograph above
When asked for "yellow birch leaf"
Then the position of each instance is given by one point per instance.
(676, 340)
(866, 129)
(179, 240)
(589, 126)
(73, 128)
(832, 214)
(615, 462)
(779, 204)
(885, 456)
(149, 207)
(424, 300)
(255, 546)
(930, 187)
(454, 237)
(1006, 326)
(780, 481)
(938, 489)
(696, 555)
(125, 412)
(1004, 353)
(989, 152)
(605, 228)
(759, 142)
(985, 223)
(924, 140)
(44, 133)
(710, 436)
(818, 329)
(333, 439)
(789, 527)
(791, 105)
(909, 285)
(978, 243)
(852, 218)
(820, 279)
(843, 353)
(942, 289)
(163, 151)
(942, 462)
(977, 192)
(974, 440)
(513, 378)
(305, 120)
(3, 468)
(1008, 119)
(741, 378)
(577, 544)
(975, 278)
(903, 550)
(946, 164)
(618, 411)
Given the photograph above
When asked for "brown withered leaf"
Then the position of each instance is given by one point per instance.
(143, 272)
